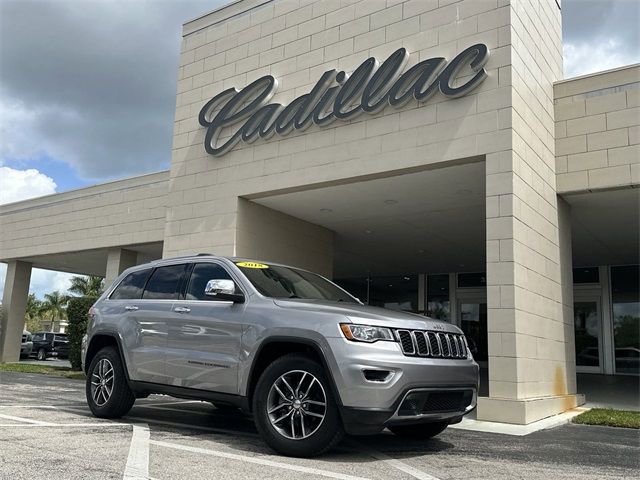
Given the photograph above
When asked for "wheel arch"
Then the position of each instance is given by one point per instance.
(275, 347)
(98, 342)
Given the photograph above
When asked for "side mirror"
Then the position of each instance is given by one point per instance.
(223, 289)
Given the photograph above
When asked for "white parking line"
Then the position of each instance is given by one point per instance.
(258, 461)
(137, 467)
(22, 420)
(94, 424)
(28, 406)
(395, 463)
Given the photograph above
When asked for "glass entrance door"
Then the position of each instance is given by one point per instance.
(588, 334)
(472, 319)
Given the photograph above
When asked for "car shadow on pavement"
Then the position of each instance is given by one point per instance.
(237, 432)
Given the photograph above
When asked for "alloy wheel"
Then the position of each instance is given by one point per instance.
(296, 405)
(102, 382)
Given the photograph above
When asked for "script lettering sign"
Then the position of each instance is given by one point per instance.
(336, 96)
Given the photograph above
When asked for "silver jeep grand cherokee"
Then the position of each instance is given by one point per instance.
(308, 360)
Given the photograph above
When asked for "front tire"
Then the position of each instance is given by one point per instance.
(419, 431)
(42, 354)
(294, 408)
(108, 393)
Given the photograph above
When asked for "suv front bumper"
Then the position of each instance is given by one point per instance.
(380, 386)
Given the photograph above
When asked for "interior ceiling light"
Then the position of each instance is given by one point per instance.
(390, 201)
(326, 210)
(368, 232)
(421, 251)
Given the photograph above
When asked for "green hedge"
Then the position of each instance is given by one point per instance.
(77, 310)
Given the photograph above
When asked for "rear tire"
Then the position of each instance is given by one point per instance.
(314, 406)
(419, 431)
(108, 393)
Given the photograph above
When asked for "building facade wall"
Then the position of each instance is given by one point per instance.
(597, 130)
(296, 41)
(266, 233)
(124, 212)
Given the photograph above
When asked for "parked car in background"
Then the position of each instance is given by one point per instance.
(27, 344)
(49, 344)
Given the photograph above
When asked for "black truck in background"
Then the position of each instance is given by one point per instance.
(48, 344)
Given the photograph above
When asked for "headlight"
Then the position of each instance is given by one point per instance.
(366, 333)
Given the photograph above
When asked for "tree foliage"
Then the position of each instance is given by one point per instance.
(54, 307)
(77, 310)
(32, 314)
(90, 286)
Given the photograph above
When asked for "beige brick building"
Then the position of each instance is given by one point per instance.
(504, 202)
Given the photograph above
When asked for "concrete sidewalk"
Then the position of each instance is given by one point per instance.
(610, 391)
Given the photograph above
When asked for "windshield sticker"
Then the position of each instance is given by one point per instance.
(251, 265)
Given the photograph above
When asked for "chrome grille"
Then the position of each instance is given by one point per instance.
(434, 343)
(406, 341)
(422, 343)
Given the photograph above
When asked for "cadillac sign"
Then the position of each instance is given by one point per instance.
(336, 96)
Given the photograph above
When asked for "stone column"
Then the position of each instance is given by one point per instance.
(118, 260)
(530, 326)
(14, 303)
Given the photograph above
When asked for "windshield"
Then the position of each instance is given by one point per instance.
(285, 282)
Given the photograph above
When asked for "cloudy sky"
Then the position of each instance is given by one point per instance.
(87, 88)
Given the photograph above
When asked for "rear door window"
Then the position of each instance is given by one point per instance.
(131, 287)
(164, 283)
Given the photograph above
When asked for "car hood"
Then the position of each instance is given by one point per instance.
(356, 313)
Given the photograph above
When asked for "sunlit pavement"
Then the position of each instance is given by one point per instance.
(48, 432)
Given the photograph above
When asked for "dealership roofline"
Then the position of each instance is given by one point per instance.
(220, 14)
(100, 188)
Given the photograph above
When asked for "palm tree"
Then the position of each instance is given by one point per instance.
(90, 286)
(32, 313)
(54, 305)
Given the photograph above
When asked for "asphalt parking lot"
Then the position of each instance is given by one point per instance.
(47, 432)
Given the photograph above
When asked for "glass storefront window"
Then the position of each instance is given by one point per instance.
(393, 292)
(625, 297)
(355, 286)
(472, 280)
(586, 275)
(473, 321)
(587, 333)
(438, 297)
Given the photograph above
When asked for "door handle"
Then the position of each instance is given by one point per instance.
(182, 310)
(131, 307)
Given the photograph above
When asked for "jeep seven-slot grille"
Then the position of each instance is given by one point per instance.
(432, 344)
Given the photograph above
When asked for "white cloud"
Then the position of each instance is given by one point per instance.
(18, 185)
(595, 55)
(42, 281)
